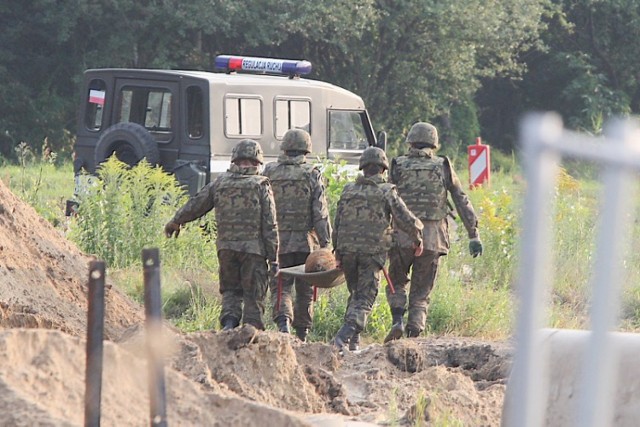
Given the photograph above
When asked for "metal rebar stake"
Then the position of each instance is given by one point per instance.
(153, 313)
(95, 333)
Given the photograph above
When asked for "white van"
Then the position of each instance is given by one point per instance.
(189, 121)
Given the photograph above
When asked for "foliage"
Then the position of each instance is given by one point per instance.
(460, 129)
(429, 56)
(124, 210)
(336, 175)
(587, 72)
(37, 181)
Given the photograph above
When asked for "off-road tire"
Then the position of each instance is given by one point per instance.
(130, 142)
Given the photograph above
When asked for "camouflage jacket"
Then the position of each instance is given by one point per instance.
(436, 227)
(301, 204)
(363, 217)
(245, 211)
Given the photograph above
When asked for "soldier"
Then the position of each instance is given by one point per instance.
(247, 233)
(303, 226)
(423, 181)
(362, 237)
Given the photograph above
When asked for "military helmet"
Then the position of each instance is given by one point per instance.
(374, 156)
(296, 140)
(247, 149)
(423, 133)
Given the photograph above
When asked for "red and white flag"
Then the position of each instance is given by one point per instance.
(96, 97)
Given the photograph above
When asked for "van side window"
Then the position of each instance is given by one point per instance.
(292, 113)
(347, 131)
(195, 112)
(149, 107)
(95, 104)
(243, 116)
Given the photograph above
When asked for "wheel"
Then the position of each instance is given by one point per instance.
(130, 142)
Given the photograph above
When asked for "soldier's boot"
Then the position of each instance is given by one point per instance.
(354, 342)
(229, 323)
(397, 329)
(343, 336)
(302, 333)
(412, 333)
(283, 324)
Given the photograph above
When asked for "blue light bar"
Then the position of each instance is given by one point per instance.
(289, 67)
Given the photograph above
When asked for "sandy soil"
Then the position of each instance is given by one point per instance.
(243, 377)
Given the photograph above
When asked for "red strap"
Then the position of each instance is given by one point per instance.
(389, 282)
(315, 293)
(279, 299)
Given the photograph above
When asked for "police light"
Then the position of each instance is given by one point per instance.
(290, 67)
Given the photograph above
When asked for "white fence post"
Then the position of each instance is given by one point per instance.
(544, 143)
(600, 367)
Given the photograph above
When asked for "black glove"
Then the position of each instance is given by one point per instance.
(172, 228)
(475, 247)
(274, 268)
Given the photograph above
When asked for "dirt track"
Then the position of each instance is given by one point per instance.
(242, 377)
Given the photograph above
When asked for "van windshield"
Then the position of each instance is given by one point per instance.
(348, 130)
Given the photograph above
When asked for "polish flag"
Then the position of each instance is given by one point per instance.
(96, 97)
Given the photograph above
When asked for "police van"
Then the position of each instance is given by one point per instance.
(189, 121)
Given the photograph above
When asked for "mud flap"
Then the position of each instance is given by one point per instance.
(191, 176)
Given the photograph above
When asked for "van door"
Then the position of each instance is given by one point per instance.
(151, 104)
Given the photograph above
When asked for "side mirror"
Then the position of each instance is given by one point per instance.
(381, 140)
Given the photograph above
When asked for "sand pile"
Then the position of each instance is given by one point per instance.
(43, 277)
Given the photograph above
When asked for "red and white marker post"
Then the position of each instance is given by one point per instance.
(479, 164)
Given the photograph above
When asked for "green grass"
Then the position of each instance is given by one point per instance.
(472, 296)
(44, 186)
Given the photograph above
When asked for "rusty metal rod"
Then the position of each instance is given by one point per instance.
(153, 322)
(95, 334)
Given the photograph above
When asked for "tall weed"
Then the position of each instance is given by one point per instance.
(125, 211)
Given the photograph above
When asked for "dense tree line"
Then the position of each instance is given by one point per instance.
(471, 66)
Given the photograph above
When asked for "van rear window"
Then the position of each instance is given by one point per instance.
(149, 107)
(95, 104)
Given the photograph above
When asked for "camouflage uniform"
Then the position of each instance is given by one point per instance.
(423, 181)
(362, 237)
(247, 238)
(303, 226)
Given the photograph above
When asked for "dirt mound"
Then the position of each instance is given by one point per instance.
(397, 383)
(42, 383)
(260, 366)
(43, 276)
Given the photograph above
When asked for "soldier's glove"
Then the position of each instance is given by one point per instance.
(475, 247)
(274, 268)
(172, 228)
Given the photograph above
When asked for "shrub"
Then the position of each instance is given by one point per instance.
(124, 211)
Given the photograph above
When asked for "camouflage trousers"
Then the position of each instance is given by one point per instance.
(243, 285)
(302, 311)
(423, 275)
(362, 273)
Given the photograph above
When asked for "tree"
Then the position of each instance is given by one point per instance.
(410, 60)
(588, 73)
